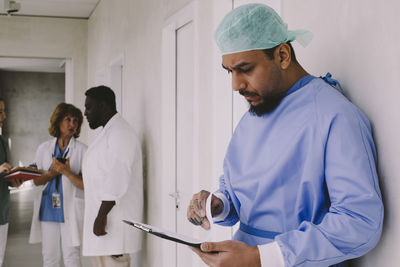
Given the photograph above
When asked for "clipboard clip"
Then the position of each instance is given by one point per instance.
(137, 225)
(144, 228)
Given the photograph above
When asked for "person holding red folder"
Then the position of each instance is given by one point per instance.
(4, 184)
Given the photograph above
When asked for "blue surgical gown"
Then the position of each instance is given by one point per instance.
(306, 171)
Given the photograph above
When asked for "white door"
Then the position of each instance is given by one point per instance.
(180, 115)
(184, 133)
(180, 133)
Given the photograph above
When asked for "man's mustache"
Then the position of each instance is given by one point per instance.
(247, 93)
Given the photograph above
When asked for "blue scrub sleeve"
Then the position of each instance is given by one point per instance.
(232, 217)
(353, 224)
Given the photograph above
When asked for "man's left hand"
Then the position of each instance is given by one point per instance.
(99, 226)
(230, 254)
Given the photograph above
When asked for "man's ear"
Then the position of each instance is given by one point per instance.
(283, 54)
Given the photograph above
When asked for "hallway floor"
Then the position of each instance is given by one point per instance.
(19, 253)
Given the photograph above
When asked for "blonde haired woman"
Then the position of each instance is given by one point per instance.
(58, 206)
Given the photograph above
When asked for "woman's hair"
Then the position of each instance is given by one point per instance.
(61, 111)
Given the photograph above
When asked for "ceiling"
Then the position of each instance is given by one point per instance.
(53, 8)
(81, 9)
(32, 64)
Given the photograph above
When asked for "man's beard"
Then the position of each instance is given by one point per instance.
(268, 104)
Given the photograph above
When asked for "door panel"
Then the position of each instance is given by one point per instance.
(184, 133)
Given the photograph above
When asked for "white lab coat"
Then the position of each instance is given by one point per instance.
(72, 196)
(112, 171)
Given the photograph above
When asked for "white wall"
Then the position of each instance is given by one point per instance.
(357, 41)
(49, 38)
(354, 40)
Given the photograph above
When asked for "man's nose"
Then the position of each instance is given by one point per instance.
(238, 82)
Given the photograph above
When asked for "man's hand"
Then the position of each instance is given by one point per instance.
(230, 254)
(196, 212)
(99, 226)
(16, 182)
(5, 168)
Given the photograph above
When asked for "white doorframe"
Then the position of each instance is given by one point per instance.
(69, 81)
(116, 80)
(168, 127)
(222, 97)
(223, 107)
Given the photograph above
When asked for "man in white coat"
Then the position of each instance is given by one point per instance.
(112, 176)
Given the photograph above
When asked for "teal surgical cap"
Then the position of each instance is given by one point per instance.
(255, 27)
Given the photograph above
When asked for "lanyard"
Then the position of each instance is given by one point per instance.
(62, 160)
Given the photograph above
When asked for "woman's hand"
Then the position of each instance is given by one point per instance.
(5, 168)
(64, 168)
(58, 167)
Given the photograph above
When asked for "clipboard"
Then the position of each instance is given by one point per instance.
(24, 173)
(175, 237)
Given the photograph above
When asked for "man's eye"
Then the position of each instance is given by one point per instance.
(247, 70)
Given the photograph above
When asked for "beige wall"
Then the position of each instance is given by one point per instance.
(357, 41)
(49, 38)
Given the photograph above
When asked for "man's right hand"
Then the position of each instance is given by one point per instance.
(100, 223)
(196, 212)
(99, 226)
(5, 168)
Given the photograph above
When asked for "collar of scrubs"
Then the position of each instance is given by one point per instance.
(58, 153)
(300, 83)
(108, 125)
(70, 145)
(111, 121)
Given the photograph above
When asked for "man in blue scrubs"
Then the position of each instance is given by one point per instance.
(300, 170)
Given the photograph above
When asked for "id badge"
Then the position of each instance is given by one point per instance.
(56, 200)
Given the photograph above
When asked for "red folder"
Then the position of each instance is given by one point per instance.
(23, 173)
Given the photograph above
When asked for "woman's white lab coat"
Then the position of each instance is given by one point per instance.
(73, 197)
(112, 171)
